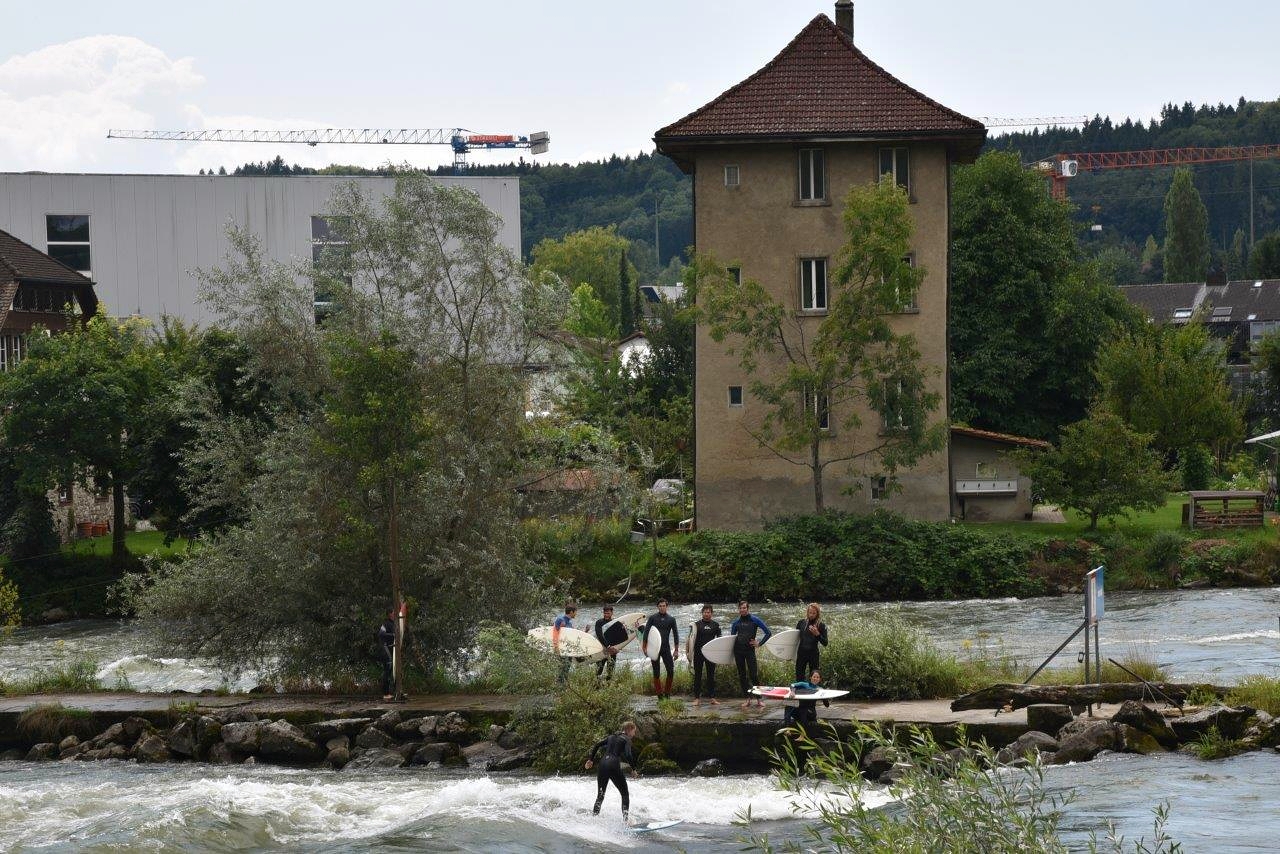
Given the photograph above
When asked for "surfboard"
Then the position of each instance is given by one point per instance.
(653, 646)
(573, 643)
(719, 650)
(620, 631)
(784, 692)
(784, 645)
(652, 826)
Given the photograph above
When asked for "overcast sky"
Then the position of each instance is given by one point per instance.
(600, 76)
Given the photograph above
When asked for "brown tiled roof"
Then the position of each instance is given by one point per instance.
(820, 85)
(20, 262)
(1002, 438)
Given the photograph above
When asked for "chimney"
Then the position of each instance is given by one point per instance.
(844, 16)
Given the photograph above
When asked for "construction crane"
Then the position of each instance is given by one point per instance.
(1032, 121)
(462, 140)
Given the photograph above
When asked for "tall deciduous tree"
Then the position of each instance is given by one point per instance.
(1100, 467)
(72, 406)
(589, 256)
(1170, 382)
(1264, 259)
(1026, 314)
(851, 358)
(1186, 230)
(627, 319)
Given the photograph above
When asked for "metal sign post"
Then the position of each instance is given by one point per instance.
(1094, 608)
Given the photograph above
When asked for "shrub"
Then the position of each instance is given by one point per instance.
(78, 674)
(584, 712)
(54, 722)
(1163, 550)
(589, 558)
(509, 665)
(1194, 465)
(1259, 692)
(881, 656)
(1214, 745)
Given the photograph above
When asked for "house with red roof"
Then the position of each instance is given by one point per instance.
(772, 159)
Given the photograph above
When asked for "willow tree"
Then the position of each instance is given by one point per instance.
(852, 357)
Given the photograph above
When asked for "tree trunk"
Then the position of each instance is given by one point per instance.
(119, 552)
(816, 466)
(397, 595)
(1019, 696)
(1093, 520)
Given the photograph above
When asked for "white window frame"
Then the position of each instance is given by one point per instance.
(814, 294)
(886, 428)
(732, 175)
(899, 161)
(811, 187)
(819, 405)
(88, 244)
(912, 306)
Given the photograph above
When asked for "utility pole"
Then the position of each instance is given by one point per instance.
(393, 550)
(657, 246)
(1250, 202)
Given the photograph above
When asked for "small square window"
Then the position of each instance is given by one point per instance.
(985, 471)
(735, 273)
(731, 176)
(879, 488)
(735, 395)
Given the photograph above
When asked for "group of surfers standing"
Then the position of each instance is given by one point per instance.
(749, 633)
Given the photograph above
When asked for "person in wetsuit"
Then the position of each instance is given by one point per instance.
(386, 644)
(813, 632)
(616, 749)
(704, 630)
(668, 635)
(564, 621)
(610, 652)
(806, 712)
(744, 631)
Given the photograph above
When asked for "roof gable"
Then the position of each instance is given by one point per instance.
(820, 85)
(21, 263)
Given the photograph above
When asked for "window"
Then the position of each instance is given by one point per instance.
(895, 165)
(735, 395)
(819, 407)
(1181, 313)
(985, 471)
(1260, 329)
(895, 403)
(731, 176)
(813, 284)
(909, 304)
(813, 177)
(12, 348)
(735, 273)
(879, 488)
(329, 249)
(67, 239)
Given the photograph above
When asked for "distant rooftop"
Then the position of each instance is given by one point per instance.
(1245, 300)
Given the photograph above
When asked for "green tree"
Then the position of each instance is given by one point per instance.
(626, 297)
(852, 358)
(589, 256)
(1186, 229)
(1117, 266)
(1026, 313)
(72, 406)
(1264, 259)
(1152, 267)
(1100, 467)
(411, 402)
(1238, 256)
(1170, 382)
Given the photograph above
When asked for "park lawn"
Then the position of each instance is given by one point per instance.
(1138, 526)
(139, 543)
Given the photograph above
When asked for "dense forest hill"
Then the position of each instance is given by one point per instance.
(558, 199)
(1128, 203)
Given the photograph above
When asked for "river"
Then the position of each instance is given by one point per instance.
(1219, 806)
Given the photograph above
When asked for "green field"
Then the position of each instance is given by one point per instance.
(139, 543)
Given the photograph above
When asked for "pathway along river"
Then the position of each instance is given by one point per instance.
(1219, 806)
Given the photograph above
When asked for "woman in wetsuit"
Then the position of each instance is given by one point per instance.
(616, 748)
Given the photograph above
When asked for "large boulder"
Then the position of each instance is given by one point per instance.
(281, 740)
(242, 737)
(234, 716)
(875, 762)
(326, 730)
(1082, 744)
(1263, 730)
(411, 728)
(452, 726)
(375, 758)
(708, 768)
(372, 737)
(151, 748)
(1230, 722)
(427, 728)
(182, 738)
(1048, 717)
(337, 758)
(69, 743)
(1130, 739)
(435, 753)
(125, 732)
(1146, 719)
(509, 760)
(13, 754)
(389, 721)
(510, 739)
(338, 742)
(1029, 743)
(220, 754)
(42, 752)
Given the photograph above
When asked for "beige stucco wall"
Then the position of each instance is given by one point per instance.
(760, 227)
(966, 453)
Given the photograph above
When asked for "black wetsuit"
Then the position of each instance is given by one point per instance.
(808, 652)
(609, 660)
(386, 643)
(744, 631)
(665, 626)
(703, 631)
(616, 747)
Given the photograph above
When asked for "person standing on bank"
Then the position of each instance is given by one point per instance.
(617, 748)
(610, 652)
(704, 630)
(386, 648)
(668, 635)
(744, 649)
(564, 621)
(813, 633)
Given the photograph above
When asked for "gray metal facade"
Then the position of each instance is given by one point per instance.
(148, 234)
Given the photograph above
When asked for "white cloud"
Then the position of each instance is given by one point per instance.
(57, 103)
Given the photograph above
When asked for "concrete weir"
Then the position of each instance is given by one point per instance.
(736, 737)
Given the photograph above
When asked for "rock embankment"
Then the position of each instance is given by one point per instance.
(226, 737)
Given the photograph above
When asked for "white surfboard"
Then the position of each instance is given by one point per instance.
(719, 650)
(652, 826)
(784, 692)
(653, 646)
(631, 622)
(784, 645)
(573, 643)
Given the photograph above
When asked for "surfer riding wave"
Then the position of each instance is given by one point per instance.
(616, 748)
